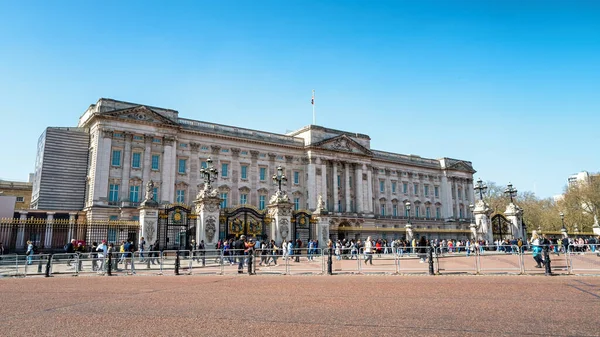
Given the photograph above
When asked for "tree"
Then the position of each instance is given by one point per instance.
(581, 204)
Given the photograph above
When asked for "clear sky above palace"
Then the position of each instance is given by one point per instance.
(510, 85)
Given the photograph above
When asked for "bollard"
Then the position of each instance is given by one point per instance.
(430, 257)
(109, 265)
(39, 264)
(547, 262)
(329, 261)
(48, 266)
(177, 263)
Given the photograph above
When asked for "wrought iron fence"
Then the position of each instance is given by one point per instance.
(52, 236)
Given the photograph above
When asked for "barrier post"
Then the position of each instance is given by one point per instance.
(109, 265)
(48, 266)
(250, 261)
(329, 261)
(548, 268)
(430, 256)
(177, 263)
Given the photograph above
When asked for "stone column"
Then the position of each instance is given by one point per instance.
(168, 170)
(126, 166)
(147, 165)
(359, 188)
(457, 199)
(335, 191)
(322, 230)
(49, 228)
(347, 188)
(280, 211)
(149, 223)
(194, 170)
(207, 224)
(253, 177)
(103, 158)
(514, 214)
(369, 189)
(311, 183)
(20, 244)
(324, 182)
(71, 225)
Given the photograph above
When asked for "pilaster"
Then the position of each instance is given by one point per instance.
(514, 214)
(280, 211)
(483, 223)
(359, 189)
(126, 166)
(207, 205)
(49, 228)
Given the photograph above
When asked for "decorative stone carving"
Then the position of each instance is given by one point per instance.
(342, 144)
(235, 152)
(107, 133)
(320, 205)
(168, 140)
(195, 147)
(210, 228)
(325, 233)
(318, 171)
(254, 154)
(289, 159)
(284, 228)
(215, 149)
(272, 156)
(279, 197)
(149, 230)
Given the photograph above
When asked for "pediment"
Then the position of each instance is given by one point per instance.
(140, 113)
(461, 166)
(343, 143)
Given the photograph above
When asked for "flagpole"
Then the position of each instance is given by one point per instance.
(313, 106)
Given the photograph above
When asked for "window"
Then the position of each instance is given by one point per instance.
(134, 193)
(138, 138)
(223, 200)
(155, 162)
(263, 173)
(182, 145)
(459, 196)
(180, 196)
(182, 163)
(20, 199)
(350, 181)
(416, 188)
(395, 209)
(460, 213)
(352, 206)
(244, 152)
(426, 190)
(466, 196)
(156, 140)
(437, 212)
(135, 218)
(203, 164)
(243, 199)
(381, 186)
(155, 194)
(339, 180)
(244, 172)
(382, 209)
(404, 188)
(261, 202)
(296, 204)
(113, 218)
(296, 177)
(224, 150)
(428, 212)
(406, 212)
(112, 232)
(417, 208)
(436, 191)
(224, 168)
(113, 193)
(339, 205)
(136, 160)
(204, 148)
(393, 187)
(116, 158)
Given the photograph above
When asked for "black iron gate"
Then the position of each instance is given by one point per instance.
(501, 227)
(245, 220)
(302, 226)
(176, 228)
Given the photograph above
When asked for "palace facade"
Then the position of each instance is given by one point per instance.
(364, 190)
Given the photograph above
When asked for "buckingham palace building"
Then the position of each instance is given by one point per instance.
(364, 191)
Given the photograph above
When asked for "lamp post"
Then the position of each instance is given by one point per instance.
(209, 173)
(480, 188)
(562, 219)
(279, 178)
(511, 192)
(407, 204)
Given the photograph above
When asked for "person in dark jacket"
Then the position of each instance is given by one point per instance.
(422, 249)
(70, 249)
(239, 247)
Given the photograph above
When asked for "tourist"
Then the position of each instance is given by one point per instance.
(142, 247)
(249, 251)
(29, 252)
(239, 247)
(368, 251)
(422, 249)
(101, 249)
(537, 249)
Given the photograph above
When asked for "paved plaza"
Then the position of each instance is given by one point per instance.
(301, 306)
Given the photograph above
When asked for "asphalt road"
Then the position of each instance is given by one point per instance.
(300, 306)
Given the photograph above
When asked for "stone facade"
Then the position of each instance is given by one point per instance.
(18, 189)
(363, 190)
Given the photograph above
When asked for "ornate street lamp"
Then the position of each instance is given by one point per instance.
(407, 204)
(510, 191)
(209, 173)
(480, 188)
(279, 178)
(562, 219)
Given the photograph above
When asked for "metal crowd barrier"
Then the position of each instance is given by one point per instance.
(584, 260)
(306, 262)
(493, 261)
(415, 261)
(461, 261)
(373, 262)
(10, 263)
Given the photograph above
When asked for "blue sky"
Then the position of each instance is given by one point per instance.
(510, 85)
